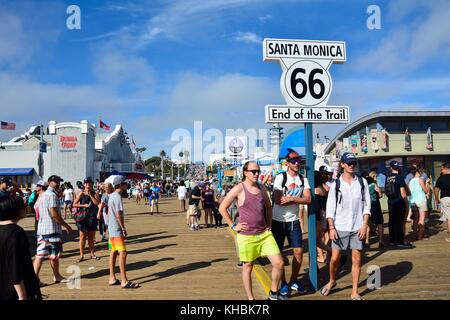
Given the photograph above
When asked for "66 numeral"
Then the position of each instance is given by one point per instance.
(304, 86)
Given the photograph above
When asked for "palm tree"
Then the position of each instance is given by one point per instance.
(162, 154)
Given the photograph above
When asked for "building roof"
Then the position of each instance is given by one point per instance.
(384, 114)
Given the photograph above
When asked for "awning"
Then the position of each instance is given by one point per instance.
(16, 171)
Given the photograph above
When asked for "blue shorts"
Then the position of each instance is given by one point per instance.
(291, 230)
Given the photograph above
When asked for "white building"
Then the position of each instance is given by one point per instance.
(74, 151)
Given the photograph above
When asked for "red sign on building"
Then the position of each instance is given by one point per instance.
(68, 142)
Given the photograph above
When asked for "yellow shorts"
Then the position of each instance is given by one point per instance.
(252, 247)
(117, 244)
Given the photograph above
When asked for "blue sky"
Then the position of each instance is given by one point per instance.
(159, 65)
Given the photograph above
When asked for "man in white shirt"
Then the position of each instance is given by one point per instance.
(348, 212)
(291, 190)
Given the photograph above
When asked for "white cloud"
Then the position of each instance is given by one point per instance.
(182, 17)
(115, 69)
(412, 42)
(248, 37)
(21, 35)
(265, 18)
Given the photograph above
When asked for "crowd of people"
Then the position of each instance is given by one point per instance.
(262, 212)
(347, 210)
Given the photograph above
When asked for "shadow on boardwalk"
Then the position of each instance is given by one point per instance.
(179, 269)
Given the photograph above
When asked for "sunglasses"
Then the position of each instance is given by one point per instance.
(295, 161)
(353, 163)
(254, 171)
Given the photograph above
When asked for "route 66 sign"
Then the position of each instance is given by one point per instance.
(305, 80)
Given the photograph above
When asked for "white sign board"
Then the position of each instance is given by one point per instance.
(306, 81)
(290, 114)
(236, 147)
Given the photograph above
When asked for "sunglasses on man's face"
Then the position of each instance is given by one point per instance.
(295, 161)
(352, 164)
(254, 172)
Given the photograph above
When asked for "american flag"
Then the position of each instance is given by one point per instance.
(8, 125)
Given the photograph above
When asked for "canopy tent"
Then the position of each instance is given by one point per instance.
(16, 171)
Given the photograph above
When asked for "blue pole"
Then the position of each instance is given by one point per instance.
(311, 214)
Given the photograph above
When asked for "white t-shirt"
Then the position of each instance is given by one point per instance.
(292, 188)
(68, 195)
(181, 191)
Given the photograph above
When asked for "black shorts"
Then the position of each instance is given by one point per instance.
(291, 230)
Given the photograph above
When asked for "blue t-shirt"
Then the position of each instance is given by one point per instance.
(155, 192)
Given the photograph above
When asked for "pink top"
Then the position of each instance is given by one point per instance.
(252, 212)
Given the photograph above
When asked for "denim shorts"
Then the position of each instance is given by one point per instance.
(291, 230)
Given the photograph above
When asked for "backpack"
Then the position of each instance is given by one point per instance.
(338, 187)
(390, 188)
(283, 184)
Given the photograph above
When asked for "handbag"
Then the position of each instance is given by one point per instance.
(80, 214)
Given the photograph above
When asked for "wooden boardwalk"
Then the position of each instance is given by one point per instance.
(170, 261)
(422, 272)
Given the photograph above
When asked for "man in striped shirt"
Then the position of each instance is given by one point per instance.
(50, 229)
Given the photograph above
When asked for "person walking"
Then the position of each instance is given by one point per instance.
(208, 204)
(442, 195)
(291, 190)
(68, 198)
(117, 234)
(87, 202)
(418, 201)
(397, 192)
(348, 212)
(102, 214)
(5, 185)
(49, 243)
(376, 214)
(155, 194)
(182, 192)
(254, 237)
(194, 208)
(18, 281)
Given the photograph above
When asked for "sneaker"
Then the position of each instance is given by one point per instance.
(405, 245)
(276, 296)
(285, 290)
(297, 286)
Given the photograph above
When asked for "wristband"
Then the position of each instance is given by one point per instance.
(233, 227)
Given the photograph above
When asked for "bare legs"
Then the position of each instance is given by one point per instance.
(122, 263)
(277, 269)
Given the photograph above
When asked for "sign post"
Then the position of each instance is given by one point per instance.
(306, 86)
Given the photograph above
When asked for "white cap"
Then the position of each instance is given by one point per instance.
(41, 183)
(329, 169)
(114, 180)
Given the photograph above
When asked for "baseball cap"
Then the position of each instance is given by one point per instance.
(394, 164)
(292, 154)
(88, 179)
(348, 157)
(115, 180)
(54, 178)
(41, 183)
(7, 180)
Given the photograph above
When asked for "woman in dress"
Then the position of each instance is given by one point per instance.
(87, 201)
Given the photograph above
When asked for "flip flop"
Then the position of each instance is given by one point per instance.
(324, 291)
(116, 283)
(62, 281)
(131, 285)
(81, 259)
(95, 257)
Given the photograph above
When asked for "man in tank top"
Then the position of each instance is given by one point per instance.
(254, 238)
